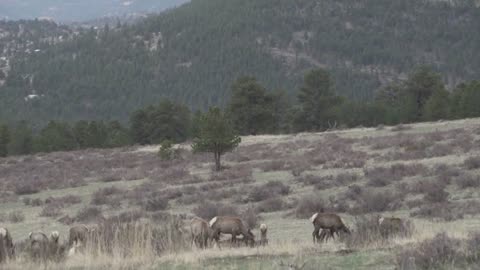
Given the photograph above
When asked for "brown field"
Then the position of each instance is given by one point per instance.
(427, 173)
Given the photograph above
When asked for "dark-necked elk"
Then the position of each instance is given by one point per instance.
(200, 232)
(233, 226)
(329, 224)
(263, 234)
(7, 249)
(390, 225)
(79, 235)
(38, 245)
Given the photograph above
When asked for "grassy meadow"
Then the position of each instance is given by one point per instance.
(428, 174)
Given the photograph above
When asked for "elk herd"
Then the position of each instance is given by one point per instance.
(203, 234)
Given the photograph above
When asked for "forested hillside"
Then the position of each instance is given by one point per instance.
(192, 54)
(75, 10)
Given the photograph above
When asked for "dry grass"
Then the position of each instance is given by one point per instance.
(423, 172)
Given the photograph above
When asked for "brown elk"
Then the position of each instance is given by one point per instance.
(38, 245)
(7, 249)
(79, 236)
(263, 234)
(231, 225)
(329, 223)
(200, 232)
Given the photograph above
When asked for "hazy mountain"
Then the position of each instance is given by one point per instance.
(80, 10)
(193, 53)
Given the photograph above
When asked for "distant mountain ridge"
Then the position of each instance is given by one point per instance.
(193, 53)
(80, 10)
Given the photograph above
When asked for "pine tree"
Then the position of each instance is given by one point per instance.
(4, 140)
(422, 83)
(21, 140)
(217, 136)
(317, 101)
(251, 107)
(437, 106)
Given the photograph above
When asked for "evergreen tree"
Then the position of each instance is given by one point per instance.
(251, 107)
(4, 140)
(21, 140)
(117, 135)
(217, 136)
(55, 136)
(420, 86)
(437, 106)
(318, 102)
(166, 121)
(139, 128)
(466, 100)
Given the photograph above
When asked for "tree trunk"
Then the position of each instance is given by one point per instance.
(218, 165)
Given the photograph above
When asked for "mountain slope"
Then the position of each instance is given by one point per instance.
(193, 53)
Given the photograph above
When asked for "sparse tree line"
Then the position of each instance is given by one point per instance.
(252, 109)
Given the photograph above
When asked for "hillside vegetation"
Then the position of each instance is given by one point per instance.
(425, 173)
(193, 53)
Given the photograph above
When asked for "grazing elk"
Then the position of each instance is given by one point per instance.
(200, 232)
(263, 234)
(327, 222)
(55, 249)
(38, 245)
(231, 225)
(79, 236)
(7, 249)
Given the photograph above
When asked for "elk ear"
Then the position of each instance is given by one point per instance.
(30, 235)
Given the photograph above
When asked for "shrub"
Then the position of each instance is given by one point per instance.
(51, 210)
(26, 189)
(436, 194)
(156, 202)
(343, 179)
(66, 220)
(353, 192)
(401, 127)
(103, 196)
(377, 201)
(441, 252)
(209, 210)
(167, 152)
(467, 181)
(271, 205)
(269, 190)
(16, 217)
(89, 214)
(378, 182)
(308, 205)
(444, 211)
(472, 163)
(395, 172)
(274, 165)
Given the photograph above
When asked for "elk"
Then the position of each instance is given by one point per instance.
(263, 234)
(55, 249)
(327, 222)
(7, 249)
(200, 231)
(79, 235)
(39, 245)
(231, 225)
